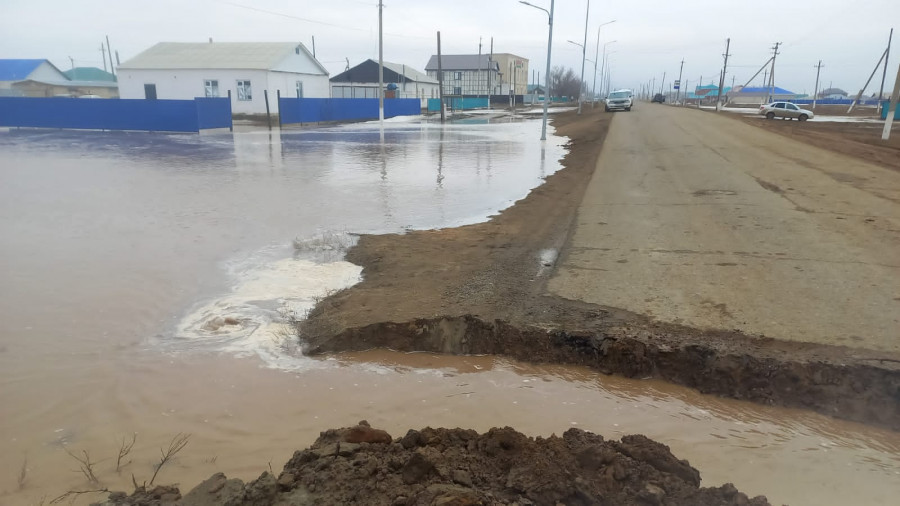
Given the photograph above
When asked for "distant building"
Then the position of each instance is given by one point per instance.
(832, 93)
(361, 81)
(176, 70)
(40, 78)
(761, 95)
(513, 72)
(16, 70)
(89, 74)
(467, 74)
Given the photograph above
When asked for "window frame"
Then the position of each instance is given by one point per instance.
(299, 89)
(244, 90)
(211, 88)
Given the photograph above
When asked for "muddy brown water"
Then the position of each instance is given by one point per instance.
(104, 253)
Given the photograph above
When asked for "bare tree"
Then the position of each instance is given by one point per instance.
(563, 82)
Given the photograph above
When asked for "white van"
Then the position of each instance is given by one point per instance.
(620, 100)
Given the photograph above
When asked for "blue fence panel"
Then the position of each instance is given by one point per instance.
(115, 114)
(312, 110)
(213, 112)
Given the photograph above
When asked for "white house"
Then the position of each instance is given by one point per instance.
(400, 81)
(177, 70)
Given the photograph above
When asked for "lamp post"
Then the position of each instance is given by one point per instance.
(580, 82)
(603, 65)
(547, 75)
(596, 54)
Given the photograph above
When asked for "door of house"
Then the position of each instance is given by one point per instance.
(150, 91)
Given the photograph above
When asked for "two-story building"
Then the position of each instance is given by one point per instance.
(466, 74)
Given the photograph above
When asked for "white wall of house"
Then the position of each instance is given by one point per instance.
(186, 84)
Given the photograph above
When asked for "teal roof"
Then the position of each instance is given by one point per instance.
(89, 74)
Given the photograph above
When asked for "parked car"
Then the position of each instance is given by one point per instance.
(620, 100)
(785, 110)
(659, 98)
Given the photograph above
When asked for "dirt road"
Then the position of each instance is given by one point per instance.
(652, 228)
(703, 220)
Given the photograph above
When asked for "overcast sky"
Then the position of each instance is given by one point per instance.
(652, 36)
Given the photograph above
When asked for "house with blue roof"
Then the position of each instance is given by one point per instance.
(40, 78)
(15, 70)
(761, 94)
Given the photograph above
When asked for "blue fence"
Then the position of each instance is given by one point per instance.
(116, 114)
(313, 110)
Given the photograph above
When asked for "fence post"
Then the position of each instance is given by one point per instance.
(268, 115)
(231, 125)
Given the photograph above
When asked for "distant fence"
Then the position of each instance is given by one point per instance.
(457, 103)
(116, 114)
(313, 110)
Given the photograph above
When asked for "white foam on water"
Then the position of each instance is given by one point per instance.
(254, 317)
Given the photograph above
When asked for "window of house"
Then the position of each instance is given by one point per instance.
(457, 75)
(211, 87)
(243, 90)
(457, 90)
(299, 89)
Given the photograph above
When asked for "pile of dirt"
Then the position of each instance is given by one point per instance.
(362, 465)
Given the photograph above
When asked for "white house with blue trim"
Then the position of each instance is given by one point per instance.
(182, 71)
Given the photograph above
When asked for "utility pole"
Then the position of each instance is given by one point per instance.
(722, 77)
(583, 56)
(72, 60)
(490, 69)
(478, 90)
(380, 72)
(314, 45)
(770, 95)
(816, 92)
(678, 89)
(440, 77)
(861, 91)
(884, 74)
(103, 51)
(892, 108)
(112, 68)
(662, 84)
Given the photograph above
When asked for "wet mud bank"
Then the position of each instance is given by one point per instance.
(851, 390)
(362, 465)
(481, 289)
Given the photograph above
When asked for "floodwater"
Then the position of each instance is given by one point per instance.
(144, 277)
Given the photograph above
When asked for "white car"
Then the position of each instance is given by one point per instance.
(620, 100)
(785, 110)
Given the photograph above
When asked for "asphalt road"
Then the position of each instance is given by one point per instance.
(697, 218)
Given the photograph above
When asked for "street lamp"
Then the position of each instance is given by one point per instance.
(608, 71)
(596, 54)
(547, 75)
(580, 82)
(603, 64)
